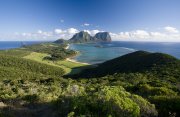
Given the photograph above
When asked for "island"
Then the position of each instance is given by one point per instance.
(85, 37)
(38, 81)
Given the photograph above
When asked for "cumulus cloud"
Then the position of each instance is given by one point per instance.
(171, 29)
(62, 21)
(92, 32)
(40, 31)
(168, 34)
(58, 31)
(139, 34)
(72, 31)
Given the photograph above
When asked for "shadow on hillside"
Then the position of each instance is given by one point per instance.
(77, 71)
(20, 108)
(57, 108)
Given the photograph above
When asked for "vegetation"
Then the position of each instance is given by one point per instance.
(15, 52)
(138, 84)
(68, 66)
(61, 41)
(55, 51)
(140, 61)
(21, 67)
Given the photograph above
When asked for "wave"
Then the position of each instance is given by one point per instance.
(130, 49)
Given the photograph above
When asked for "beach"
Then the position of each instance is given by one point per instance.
(67, 47)
(72, 60)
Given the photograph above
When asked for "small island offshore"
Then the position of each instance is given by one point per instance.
(41, 80)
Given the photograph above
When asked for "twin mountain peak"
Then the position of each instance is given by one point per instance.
(85, 37)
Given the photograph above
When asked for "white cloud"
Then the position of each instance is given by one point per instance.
(171, 29)
(72, 31)
(39, 31)
(62, 21)
(139, 34)
(58, 31)
(93, 32)
(168, 34)
(87, 31)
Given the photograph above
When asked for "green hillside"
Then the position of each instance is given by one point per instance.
(140, 61)
(137, 84)
(154, 76)
(20, 67)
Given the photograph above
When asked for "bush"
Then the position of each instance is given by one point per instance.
(167, 105)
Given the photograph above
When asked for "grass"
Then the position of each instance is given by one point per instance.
(32, 86)
(66, 65)
(17, 67)
(15, 52)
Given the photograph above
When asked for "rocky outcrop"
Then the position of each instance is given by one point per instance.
(103, 36)
(84, 37)
(81, 37)
(60, 41)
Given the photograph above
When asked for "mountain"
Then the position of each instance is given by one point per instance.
(84, 37)
(103, 36)
(139, 61)
(81, 37)
(60, 41)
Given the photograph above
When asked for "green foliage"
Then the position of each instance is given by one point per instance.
(31, 98)
(167, 105)
(147, 90)
(15, 52)
(114, 101)
(56, 51)
(61, 41)
(61, 55)
(162, 65)
(133, 85)
(18, 67)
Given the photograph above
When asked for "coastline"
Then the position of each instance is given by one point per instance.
(72, 60)
(67, 47)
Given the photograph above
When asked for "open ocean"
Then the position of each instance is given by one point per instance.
(99, 52)
(15, 44)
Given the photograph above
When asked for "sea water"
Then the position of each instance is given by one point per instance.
(99, 52)
(16, 44)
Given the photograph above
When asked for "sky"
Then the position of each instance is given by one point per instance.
(125, 20)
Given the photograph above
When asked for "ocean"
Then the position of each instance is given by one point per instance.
(94, 53)
(15, 44)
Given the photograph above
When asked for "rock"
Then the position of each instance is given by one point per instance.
(103, 37)
(60, 41)
(84, 37)
(2, 105)
(81, 37)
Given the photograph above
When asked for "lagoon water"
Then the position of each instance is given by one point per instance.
(99, 52)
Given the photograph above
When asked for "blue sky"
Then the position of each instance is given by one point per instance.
(136, 20)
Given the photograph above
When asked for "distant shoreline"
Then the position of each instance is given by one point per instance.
(72, 60)
(67, 47)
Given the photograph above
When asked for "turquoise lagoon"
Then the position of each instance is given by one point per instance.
(94, 53)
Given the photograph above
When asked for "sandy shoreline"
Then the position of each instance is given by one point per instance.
(72, 60)
(67, 47)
